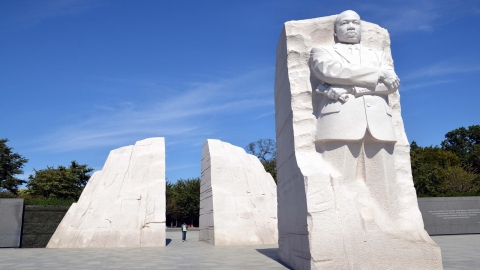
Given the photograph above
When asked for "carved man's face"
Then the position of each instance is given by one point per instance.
(348, 28)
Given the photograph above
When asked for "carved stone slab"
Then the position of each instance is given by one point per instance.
(451, 215)
(323, 224)
(11, 214)
(123, 205)
(238, 199)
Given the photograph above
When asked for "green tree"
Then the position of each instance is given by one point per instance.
(438, 172)
(172, 211)
(474, 158)
(464, 142)
(187, 199)
(427, 163)
(11, 164)
(456, 180)
(61, 182)
(266, 151)
(183, 201)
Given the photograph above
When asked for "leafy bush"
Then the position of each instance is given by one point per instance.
(183, 201)
(29, 199)
(446, 171)
(61, 182)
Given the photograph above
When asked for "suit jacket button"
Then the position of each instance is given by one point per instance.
(368, 104)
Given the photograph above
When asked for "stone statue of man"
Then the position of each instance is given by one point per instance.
(355, 134)
(346, 198)
(356, 81)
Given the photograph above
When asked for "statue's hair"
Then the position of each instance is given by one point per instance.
(338, 16)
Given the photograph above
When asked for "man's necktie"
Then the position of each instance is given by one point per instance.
(355, 52)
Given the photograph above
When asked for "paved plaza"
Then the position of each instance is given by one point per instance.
(458, 252)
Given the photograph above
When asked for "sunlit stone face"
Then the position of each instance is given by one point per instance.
(348, 28)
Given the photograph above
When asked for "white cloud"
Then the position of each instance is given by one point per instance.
(441, 69)
(25, 14)
(428, 83)
(437, 74)
(419, 15)
(264, 114)
(187, 115)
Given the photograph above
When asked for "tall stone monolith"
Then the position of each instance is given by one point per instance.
(123, 205)
(346, 198)
(238, 198)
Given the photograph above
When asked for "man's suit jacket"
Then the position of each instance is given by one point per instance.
(367, 109)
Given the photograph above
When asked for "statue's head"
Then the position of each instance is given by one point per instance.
(348, 28)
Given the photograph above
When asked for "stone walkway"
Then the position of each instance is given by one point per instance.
(459, 252)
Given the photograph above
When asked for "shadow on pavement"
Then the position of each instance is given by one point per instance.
(272, 253)
(168, 241)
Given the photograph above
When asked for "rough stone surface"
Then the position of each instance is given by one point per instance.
(238, 199)
(123, 205)
(322, 224)
(11, 214)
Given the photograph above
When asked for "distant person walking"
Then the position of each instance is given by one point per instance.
(184, 232)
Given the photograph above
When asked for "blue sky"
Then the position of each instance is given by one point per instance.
(80, 78)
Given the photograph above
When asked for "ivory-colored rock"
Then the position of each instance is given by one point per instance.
(329, 219)
(238, 199)
(123, 205)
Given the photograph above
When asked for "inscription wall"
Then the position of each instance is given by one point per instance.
(450, 215)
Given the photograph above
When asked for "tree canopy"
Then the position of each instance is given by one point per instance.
(465, 143)
(450, 170)
(266, 151)
(61, 182)
(11, 164)
(437, 172)
(183, 201)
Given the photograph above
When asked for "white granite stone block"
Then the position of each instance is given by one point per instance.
(123, 205)
(238, 199)
(327, 220)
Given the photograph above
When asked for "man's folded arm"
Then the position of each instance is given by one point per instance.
(329, 70)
